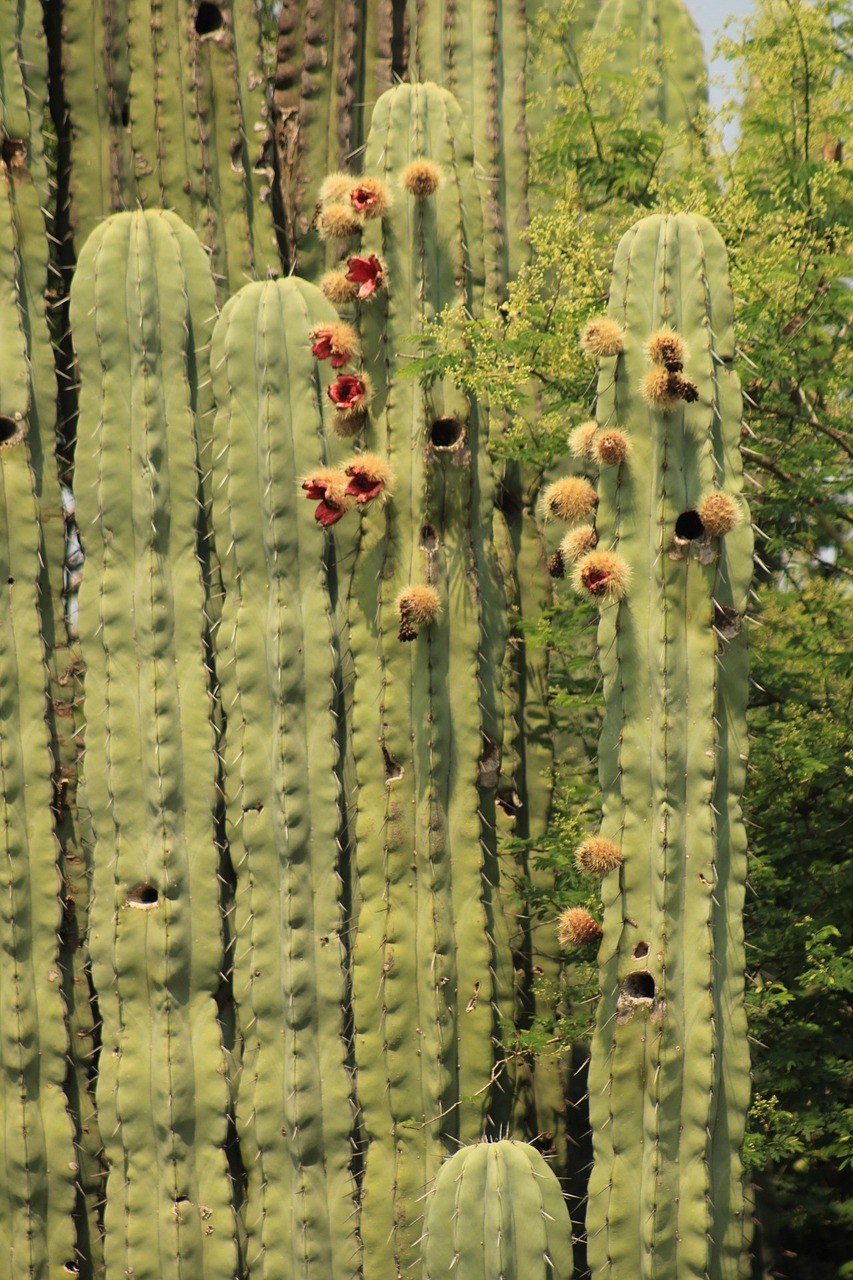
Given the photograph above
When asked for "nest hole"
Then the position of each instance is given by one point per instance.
(393, 770)
(639, 986)
(144, 897)
(14, 152)
(641, 949)
(727, 622)
(8, 429)
(10, 582)
(208, 18)
(429, 538)
(689, 526)
(445, 433)
(125, 114)
(509, 803)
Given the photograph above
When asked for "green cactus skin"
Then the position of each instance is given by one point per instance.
(277, 655)
(669, 1075)
(150, 765)
(39, 1163)
(431, 964)
(180, 123)
(659, 35)
(496, 1212)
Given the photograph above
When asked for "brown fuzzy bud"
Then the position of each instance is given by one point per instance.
(577, 543)
(602, 337)
(658, 389)
(577, 928)
(571, 499)
(601, 575)
(417, 607)
(421, 178)
(335, 188)
(719, 514)
(337, 222)
(557, 565)
(611, 447)
(596, 856)
(338, 288)
(684, 388)
(582, 441)
(667, 348)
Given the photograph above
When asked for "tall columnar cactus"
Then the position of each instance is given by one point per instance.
(167, 109)
(658, 37)
(278, 659)
(669, 1077)
(497, 1212)
(142, 307)
(431, 965)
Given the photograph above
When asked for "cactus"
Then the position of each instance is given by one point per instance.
(278, 660)
(155, 929)
(497, 1212)
(669, 1076)
(431, 966)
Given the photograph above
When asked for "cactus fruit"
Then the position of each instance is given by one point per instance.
(142, 304)
(669, 1075)
(497, 1212)
(280, 685)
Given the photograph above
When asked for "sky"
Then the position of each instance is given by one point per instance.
(710, 17)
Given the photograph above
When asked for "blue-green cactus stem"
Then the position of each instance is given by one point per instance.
(497, 1212)
(432, 971)
(39, 1163)
(669, 1069)
(141, 329)
(277, 653)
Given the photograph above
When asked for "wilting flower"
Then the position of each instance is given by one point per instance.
(371, 198)
(337, 342)
(368, 273)
(328, 489)
(350, 393)
(369, 478)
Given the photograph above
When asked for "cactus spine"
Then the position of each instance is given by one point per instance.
(150, 766)
(669, 1069)
(497, 1212)
(278, 660)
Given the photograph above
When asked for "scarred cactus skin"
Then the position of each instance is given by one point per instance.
(497, 1212)
(669, 1074)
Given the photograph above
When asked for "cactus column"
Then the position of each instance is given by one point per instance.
(431, 965)
(278, 659)
(142, 305)
(669, 1077)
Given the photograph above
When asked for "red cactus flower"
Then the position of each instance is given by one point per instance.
(362, 199)
(368, 273)
(348, 392)
(369, 478)
(322, 348)
(328, 513)
(327, 489)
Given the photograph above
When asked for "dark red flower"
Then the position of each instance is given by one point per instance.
(368, 273)
(347, 391)
(322, 348)
(314, 490)
(328, 513)
(368, 479)
(363, 199)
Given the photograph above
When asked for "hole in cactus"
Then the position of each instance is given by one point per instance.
(445, 433)
(490, 762)
(639, 986)
(208, 18)
(70, 1268)
(689, 526)
(727, 622)
(144, 897)
(393, 770)
(10, 582)
(429, 538)
(9, 428)
(509, 503)
(14, 152)
(509, 803)
(125, 114)
(641, 949)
